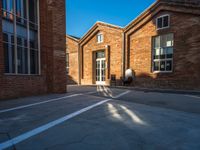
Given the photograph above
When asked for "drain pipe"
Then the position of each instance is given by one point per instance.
(123, 54)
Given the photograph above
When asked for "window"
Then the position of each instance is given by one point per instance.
(20, 36)
(99, 38)
(162, 22)
(163, 53)
(67, 62)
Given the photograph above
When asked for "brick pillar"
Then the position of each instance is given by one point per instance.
(107, 52)
(56, 75)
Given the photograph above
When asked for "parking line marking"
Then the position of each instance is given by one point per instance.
(43, 102)
(34, 104)
(193, 96)
(47, 126)
(122, 94)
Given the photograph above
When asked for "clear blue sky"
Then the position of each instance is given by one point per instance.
(82, 14)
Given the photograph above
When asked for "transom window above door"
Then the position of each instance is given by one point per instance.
(100, 54)
(99, 38)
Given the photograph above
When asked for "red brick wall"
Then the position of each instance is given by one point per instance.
(186, 72)
(53, 77)
(112, 38)
(72, 50)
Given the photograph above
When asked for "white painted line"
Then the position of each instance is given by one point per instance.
(122, 94)
(45, 127)
(43, 102)
(193, 96)
(34, 104)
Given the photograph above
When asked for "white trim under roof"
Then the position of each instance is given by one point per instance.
(110, 24)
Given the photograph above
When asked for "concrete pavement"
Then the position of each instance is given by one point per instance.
(131, 120)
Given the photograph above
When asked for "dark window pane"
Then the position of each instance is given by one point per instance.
(6, 54)
(34, 62)
(156, 66)
(169, 65)
(162, 53)
(19, 59)
(162, 66)
(100, 54)
(169, 52)
(166, 21)
(159, 23)
(33, 11)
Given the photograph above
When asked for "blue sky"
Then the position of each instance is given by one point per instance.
(82, 14)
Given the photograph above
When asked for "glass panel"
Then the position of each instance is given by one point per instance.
(156, 66)
(156, 53)
(34, 61)
(21, 14)
(166, 21)
(169, 65)
(162, 66)
(159, 23)
(100, 54)
(33, 11)
(162, 53)
(169, 40)
(22, 56)
(169, 52)
(157, 42)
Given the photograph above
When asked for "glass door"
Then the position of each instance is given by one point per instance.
(100, 71)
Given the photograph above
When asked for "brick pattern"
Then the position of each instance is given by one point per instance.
(186, 72)
(53, 77)
(113, 39)
(137, 46)
(72, 50)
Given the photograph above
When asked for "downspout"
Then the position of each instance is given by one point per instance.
(123, 54)
(79, 65)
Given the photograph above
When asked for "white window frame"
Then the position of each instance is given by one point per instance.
(28, 38)
(163, 22)
(159, 60)
(100, 40)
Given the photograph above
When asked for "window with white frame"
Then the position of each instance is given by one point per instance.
(99, 38)
(163, 22)
(163, 53)
(20, 36)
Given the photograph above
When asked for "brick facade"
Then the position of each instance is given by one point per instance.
(132, 47)
(52, 39)
(72, 51)
(185, 26)
(111, 45)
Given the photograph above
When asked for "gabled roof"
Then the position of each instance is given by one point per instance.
(185, 3)
(95, 26)
(73, 38)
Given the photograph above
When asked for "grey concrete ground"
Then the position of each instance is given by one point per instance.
(136, 120)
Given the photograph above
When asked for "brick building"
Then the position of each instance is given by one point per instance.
(32, 47)
(72, 59)
(161, 46)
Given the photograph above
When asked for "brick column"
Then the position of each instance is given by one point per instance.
(107, 52)
(56, 76)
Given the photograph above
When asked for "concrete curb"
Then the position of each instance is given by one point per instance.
(190, 92)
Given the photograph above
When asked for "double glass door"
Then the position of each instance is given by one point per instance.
(100, 71)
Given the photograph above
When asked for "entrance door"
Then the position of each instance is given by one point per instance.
(100, 71)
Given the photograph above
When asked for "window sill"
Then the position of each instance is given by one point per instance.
(162, 28)
(162, 72)
(12, 74)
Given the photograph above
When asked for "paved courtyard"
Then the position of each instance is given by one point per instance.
(101, 118)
